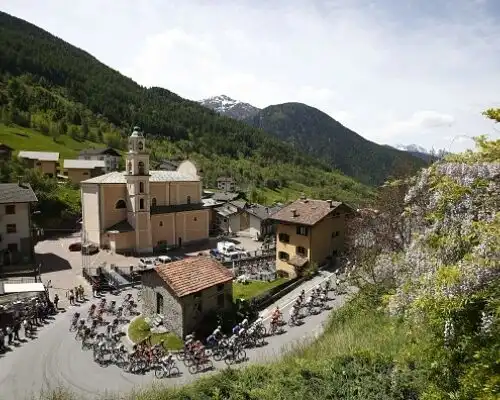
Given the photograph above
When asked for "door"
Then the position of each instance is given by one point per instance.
(180, 242)
(159, 303)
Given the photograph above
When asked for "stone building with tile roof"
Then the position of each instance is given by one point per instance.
(17, 239)
(139, 210)
(309, 231)
(183, 292)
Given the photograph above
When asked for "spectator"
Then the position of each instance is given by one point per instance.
(2, 340)
(56, 302)
(10, 335)
(17, 328)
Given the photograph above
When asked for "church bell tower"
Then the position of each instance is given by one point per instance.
(137, 177)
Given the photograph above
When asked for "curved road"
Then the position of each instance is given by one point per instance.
(56, 359)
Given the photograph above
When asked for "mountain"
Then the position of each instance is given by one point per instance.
(53, 88)
(229, 107)
(316, 133)
(417, 151)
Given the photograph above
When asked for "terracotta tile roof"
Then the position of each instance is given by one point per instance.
(193, 274)
(307, 211)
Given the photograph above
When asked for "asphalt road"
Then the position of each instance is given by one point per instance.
(56, 359)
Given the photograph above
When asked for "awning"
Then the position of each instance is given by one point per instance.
(298, 261)
(10, 288)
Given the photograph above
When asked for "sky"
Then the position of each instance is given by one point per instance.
(395, 71)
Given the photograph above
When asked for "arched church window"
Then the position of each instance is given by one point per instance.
(141, 168)
(129, 167)
(121, 204)
(141, 204)
(153, 202)
(141, 187)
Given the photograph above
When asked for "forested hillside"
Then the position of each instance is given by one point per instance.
(57, 89)
(316, 133)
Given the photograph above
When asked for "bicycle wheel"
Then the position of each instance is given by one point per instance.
(181, 355)
(229, 359)
(159, 372)
(193, 369)
(241, 355)
(209, 365)
(218, 354)
(173, 371)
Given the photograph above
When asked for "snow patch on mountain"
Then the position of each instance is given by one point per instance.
(229, 107)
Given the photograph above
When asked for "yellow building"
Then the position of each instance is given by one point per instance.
(45, 162)
(308, 231)
(138, 210)
(80, 170)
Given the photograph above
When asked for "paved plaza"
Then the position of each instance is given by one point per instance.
(55, 358)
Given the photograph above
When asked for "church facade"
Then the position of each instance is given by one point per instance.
(138, 210)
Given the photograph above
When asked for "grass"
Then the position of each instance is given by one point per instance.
(28, 139)
(139, 330)
(254, 288)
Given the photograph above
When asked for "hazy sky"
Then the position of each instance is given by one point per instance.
(395, 71)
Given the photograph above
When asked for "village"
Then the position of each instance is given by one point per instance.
(180, 260)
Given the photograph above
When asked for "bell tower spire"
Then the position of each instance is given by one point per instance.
(137, 177)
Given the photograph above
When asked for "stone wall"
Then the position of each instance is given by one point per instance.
(172, 308)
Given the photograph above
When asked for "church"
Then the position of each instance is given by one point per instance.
(138, 211)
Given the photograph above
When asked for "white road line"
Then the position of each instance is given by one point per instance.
(295, 298)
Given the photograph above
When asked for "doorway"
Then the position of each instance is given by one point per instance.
(180, 242)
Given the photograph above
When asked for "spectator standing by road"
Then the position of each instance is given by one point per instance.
(17, 328)
(56, 302)
(2, 340)
(8, 330)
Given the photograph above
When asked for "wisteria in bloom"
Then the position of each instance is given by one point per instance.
(449, 331)
(486, 322)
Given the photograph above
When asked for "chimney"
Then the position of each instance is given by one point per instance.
(330, 202)
(302, 196)
(294, 213)
(267, 210)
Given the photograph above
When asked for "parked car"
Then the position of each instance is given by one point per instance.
(75, 246)
(164, 259)
(147, 262)
(89, 249)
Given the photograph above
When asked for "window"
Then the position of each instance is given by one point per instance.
(302, 230)
(301, 251)
(12, 247)
(121, 204)
(129, 168)
(197, 295)
(188, 200)
(141, 168)
(85, 173)
(39, 163)
(335, 234)
(10, 209)
(153, 202)
(159, 303)
(284, 238)
(11, 228)
(195, 219)
(141, 187)
(161, 223)
(283, 256)
(220, 287)
(141, 204)
(220, 300)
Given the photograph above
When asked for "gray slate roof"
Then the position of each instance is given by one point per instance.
(262, 212)
(39, 155)
(155, 176)
(225, 196)
(15, 193)
(94, 152)
(83, 164)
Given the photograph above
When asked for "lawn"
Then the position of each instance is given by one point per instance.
(28, 139)
(254, 288)
(139, 330)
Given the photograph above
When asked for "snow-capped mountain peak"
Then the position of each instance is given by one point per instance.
(412, 148)
(229, 107)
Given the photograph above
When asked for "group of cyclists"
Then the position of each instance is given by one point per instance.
(196, 355)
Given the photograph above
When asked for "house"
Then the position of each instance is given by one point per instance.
(110, 156)
(212, 205)
(45, 162)
(5, 152)
(259, 224)
(228, 218)
(80, 170)
(139, 210)
(184, 291)
(308, 231)
(16, 234)
(226, 184)
(169, 165)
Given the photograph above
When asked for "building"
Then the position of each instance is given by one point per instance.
(228, 218)
(258, 220)
(212, 205)
(226, 184)
(5, 152)
(225, 196)
(45, 162)
(169, 165)
(80, 170)
(110, 156)
(308, 231)
(184, 291)
(16, 234)
(139, 210)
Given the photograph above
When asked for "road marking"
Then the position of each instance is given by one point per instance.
(295, 298)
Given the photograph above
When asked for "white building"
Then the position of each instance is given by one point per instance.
(226, 184)
(110, 157)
